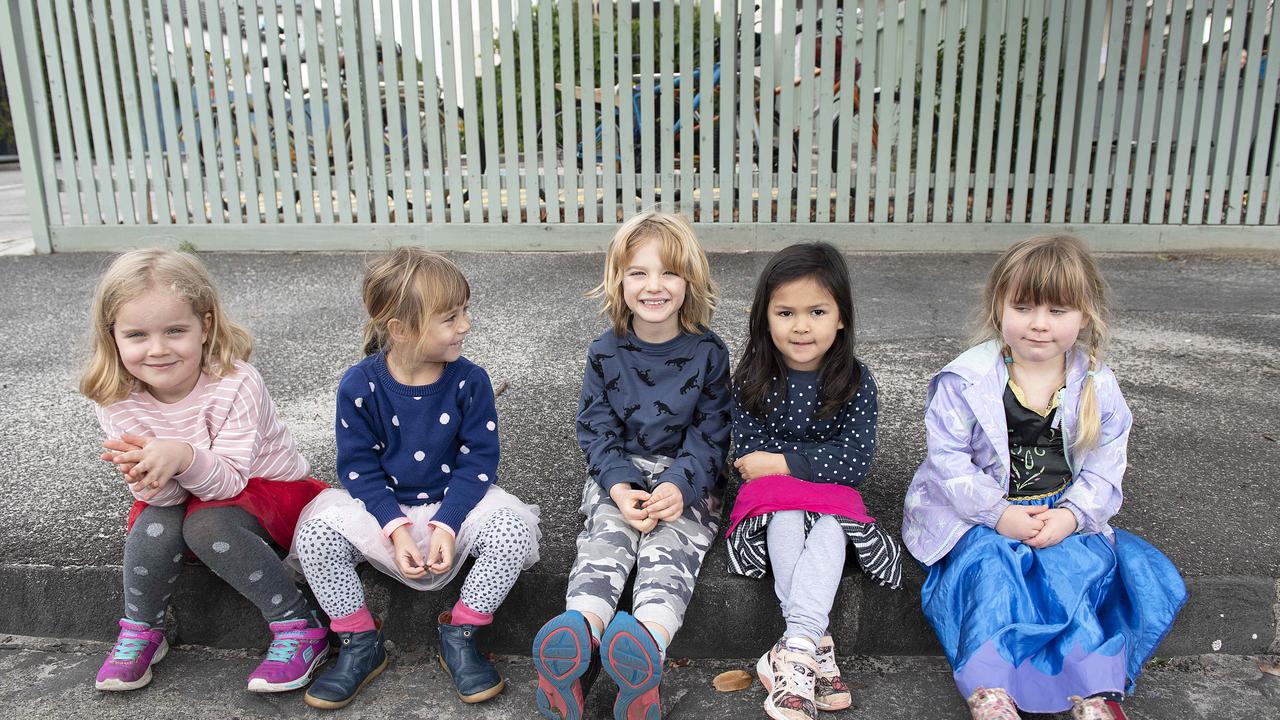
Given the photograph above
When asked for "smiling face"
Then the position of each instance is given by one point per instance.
(161, 343)
(445, 332)
(1040, 333)
(653, 292)
(803, 322)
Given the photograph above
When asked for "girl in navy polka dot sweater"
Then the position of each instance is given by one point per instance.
(417, 438)
(804, 427)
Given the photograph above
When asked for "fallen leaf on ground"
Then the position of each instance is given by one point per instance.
(732, 681)
(1270, 668)
(678, 662)
(500, 388)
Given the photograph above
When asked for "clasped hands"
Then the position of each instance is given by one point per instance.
(1038, 526)
(409, 558)
(147, 463)
(643, 510)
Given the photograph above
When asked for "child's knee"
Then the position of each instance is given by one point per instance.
(311, 538)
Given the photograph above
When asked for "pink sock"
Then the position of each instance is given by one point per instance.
(463, 615)
(358, 621)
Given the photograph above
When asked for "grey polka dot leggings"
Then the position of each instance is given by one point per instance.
(227, 539)
(329, 561)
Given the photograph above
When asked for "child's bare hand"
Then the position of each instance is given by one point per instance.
(115, 448)
(408, 556)
(759, 464)
(440, 551)
(154, 464)
(1021, 522)
(1058, 524)
(665, 503)
(630, 502)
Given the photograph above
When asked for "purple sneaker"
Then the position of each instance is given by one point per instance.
(128, 666)
(295, 653)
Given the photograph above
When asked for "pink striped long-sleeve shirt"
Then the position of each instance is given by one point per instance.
(232, 428)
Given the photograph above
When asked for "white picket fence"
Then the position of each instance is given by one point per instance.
(920, 124)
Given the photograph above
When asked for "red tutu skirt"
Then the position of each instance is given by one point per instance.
(275, 503)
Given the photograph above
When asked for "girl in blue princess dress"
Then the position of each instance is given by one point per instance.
(1038, 603)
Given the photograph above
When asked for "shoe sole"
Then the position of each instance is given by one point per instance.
(629, 654)
(475, 697)
(262, 686)
(113, 685)
(764, 673)
(322, 704)
(561, 656)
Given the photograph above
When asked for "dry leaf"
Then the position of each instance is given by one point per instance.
(678, 662)
(1268, 668)
(500, 388)
(732, 681)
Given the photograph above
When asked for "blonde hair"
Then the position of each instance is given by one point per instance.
(409, 284)
(680, 252)
(1055, 270)
(132, 275)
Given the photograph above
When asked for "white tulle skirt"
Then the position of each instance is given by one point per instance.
(347, 516)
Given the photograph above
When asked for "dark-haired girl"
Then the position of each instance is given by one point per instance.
(804, 426)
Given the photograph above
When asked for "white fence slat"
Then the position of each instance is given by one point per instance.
(375, 101)
(1262, 139)
(489, 104)
(1204, 148)
(930, 36)
(61, 113)
(786, 114)
(297, 113)
(868, 112)
(965, 130)
(473, 126)
(648, 136)
(1106, 128)
(119, 168)
(1011, 62)
(102, 155)
(626, 98)
(83, 152)
(725, 108)
(587, 66)
(261, 148)
(510, 113)
(1089, 91)
(1125, 121)
(319, 133)
(279, 142)
(1247, 116)
(907, 113)
(953, 21)
(436, 118)
(1168, 118)
(568, 121)
(452, 165)
(354, 129)
(1148, 114)
(828, 75)
(887, 110)
(688, 88)
(1228, 115)
(393, 130)
(225, 154)
(1031, 83)
(1187, 122)
(846, 130)
(805, 105)
(206, 150)
(42, 111)
(611, 92)
(189, 145)
(666, 107)
(1048, 115)
(418, 109)
(1072, 77)
(992, 94)
(706, 112)
(335, 96)
(529, 136)
(549, 126)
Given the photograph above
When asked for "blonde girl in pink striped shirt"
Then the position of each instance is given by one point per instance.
(212, 470)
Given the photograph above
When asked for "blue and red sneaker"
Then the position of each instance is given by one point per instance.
(566, 658)
(632, 658)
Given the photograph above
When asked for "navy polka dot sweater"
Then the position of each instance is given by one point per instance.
(838, 450)
(417, 444)
(648, 399)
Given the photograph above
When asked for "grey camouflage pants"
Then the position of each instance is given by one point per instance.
(666, 559)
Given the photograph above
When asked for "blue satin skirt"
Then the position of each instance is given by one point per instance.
(1077, 618)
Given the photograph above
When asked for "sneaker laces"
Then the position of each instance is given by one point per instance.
(282, 650)
(127, 649)
(795, 678)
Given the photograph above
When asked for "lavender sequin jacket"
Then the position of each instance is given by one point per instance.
(964, 481)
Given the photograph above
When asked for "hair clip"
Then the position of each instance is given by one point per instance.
(1008, 359)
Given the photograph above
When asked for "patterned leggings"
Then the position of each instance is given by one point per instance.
(329, 561)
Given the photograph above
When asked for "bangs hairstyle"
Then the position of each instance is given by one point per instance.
(680, 252)
(129, 277)
(411, 285)
(1054, 270)
(763, 370)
